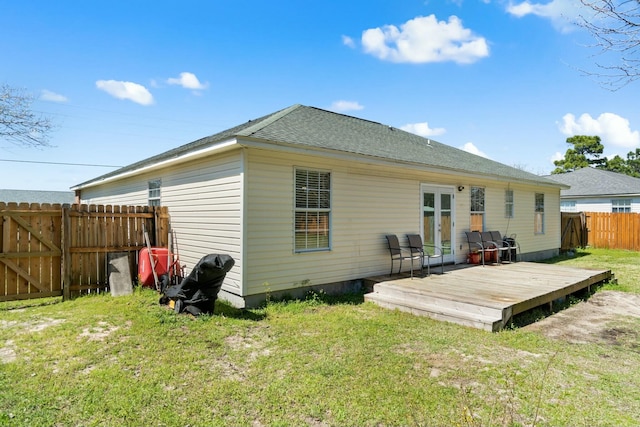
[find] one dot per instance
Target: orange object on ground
(474, 258)
(162, 260)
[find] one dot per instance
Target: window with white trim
(538, 221)
(312, 210)
(508, 203)
(568, 206)
(477, 208)
(621, 205)
(154, 192)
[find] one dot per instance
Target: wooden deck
(482, 297)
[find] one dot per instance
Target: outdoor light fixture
(460, 187)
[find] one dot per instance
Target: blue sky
(124, 80)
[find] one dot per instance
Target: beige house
(304, 197)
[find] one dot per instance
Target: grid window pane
(538, 219)
(508, 204)
(477, 209)
(621, 205)
(477, 199)
(154, 192)
(568, 206)
(313, 208)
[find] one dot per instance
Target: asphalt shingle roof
(597, 182)
(314, 128)
(36, 196)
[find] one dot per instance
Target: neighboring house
(36, 196)
(304, 197)
(597, 190)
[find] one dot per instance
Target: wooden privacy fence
(614, 230)
(52, 250)
(574, 230)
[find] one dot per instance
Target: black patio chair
(417, 248)
(474, 241)
(399, 254)
(504, 250)
(490, 247)
(508, 245)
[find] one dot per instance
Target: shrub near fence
(50, 250)
(614, 230)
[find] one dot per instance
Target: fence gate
(30, 253)
(51, 249)
(574, 230)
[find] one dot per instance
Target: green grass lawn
(100, 360)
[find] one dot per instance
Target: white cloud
(562, 13)
(188, 81)
(126, 90)
(348, 41)
(423, 129)
(341, 106)
(556, 156)
(47, 95)
(425, 39)
(611, 128)
(470, 148)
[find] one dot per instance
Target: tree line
(587, 152)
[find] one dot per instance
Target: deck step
(439, 310)
(412, 294)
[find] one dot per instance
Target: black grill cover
(197, 293)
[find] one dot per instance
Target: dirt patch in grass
(8, 349)
(99, 332)
(608, 317)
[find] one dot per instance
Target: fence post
(66, 255)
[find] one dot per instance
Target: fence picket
(614, 230)
(49, 250)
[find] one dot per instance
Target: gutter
(177, 159)
(254, 142)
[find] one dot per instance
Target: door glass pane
(445, 223)
(429, 208)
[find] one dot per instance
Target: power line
(58, 163)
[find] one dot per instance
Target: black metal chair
(490, 247)
(398, 254)
(474, 241)
(508, 245)
(417, 248)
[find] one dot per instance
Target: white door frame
(438, 190)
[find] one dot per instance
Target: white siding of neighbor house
(603, 204)
(204, 198)
(368, 201)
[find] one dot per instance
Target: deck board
(510, 288)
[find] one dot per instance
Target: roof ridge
(270, 119)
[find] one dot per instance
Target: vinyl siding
(363, 208)
(205, 203)
(241, 203)
(603, 204)
(521, 224)
(368, 202)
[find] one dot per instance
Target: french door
(437, 220)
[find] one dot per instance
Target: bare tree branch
(18, 123)
(615, 25)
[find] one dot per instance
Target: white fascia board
(343, 155)
(177, 159)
